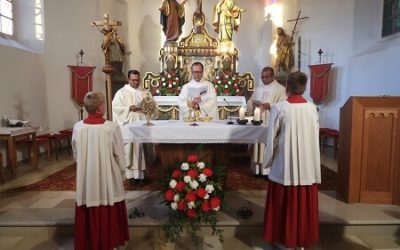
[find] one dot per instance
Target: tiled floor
(44, 220)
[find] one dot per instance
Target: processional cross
(108, 28)
(299, 53)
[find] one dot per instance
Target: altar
(177, 137)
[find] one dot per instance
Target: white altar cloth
(173, 131)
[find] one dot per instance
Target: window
(6, 17)
(391, 17)
(38, 20)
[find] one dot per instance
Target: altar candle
(256, 115)
(241, 113)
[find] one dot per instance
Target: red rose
(226, 91)
(181, 205)
(192, 158)
(191, 196)
(180, 186)
(176, 174)
(215, 202)
(201, 192)
(192, 173)
(205, 207)
(169, 195)
(191, 213)
(207, 172)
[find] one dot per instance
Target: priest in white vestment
(126, 108)
(292, 151)
(200, 93)
(264, 97)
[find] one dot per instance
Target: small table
(10, 135)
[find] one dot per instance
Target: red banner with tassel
(319, 82)
(81, 82)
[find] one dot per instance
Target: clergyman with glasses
(200, 93)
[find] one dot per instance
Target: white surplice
(100, 162)
(208, 105)
(271, 93)
(134, 152)
(293, 144)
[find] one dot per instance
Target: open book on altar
(197, 90)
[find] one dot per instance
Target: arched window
(391, 17)
(6, 17)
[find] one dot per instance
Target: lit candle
(241, 113)
(256, 115)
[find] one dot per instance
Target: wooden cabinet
(369, 149)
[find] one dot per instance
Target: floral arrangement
(194, 194)
(169, 83)
(227, 83)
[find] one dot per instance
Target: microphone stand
(230, 122)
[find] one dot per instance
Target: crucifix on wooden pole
(109, 29)
(299, 53)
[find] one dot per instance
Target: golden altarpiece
(219, 63)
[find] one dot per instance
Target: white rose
(164, 84)
(170, 85)
(201, 165)
(216, 209)
(206, 197)
(163, 79)
(219, 82)
(234, 78)
(226, 86)
(174, 83)
(176, 197)
(226, 76)
(209, 188)
(237, 91)
(185, 166)
(158, 91)
(172, 184)
(194, 184)
(217, 77)
(229, 82)
(191, 204)
(169, 76)
(187, 179)
(174, 205)
(202, 177)
(176, 78)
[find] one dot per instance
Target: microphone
(230, 122)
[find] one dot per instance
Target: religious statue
(186, 72)
(209, 69)
(226, 19)
(284, 53)
(172, 18)
(112, 46)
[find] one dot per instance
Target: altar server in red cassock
(101, 220)
(292, 150)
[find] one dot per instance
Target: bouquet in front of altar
(169, 83)
(227, 83)
(194, 193)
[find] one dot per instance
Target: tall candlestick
(241, 113)
(256, 114)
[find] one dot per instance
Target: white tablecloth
(222, 101)
(173, 131)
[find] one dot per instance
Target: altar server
(264, 97)
(126, 108)
(292, 149)
(200, 93)
(101, 220)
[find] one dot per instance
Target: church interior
(43, 39)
